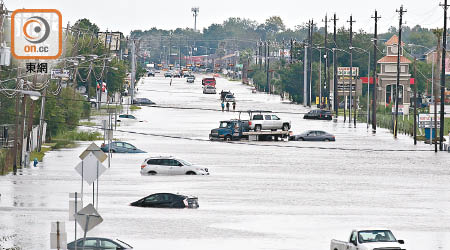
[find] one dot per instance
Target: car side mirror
(401, 242)
(180, 165)
(354, 243)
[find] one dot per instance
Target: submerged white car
(170, 166)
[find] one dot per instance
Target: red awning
(364, 80)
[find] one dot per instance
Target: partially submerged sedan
(167, 200)
(313, 135)
(121, 147)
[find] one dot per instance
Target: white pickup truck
(380, 239)
(268, 121)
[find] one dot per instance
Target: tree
(274, 24)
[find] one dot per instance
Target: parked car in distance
(171, 166)
(143, 101)
(125, 116)
(313, 135)
(167, 200)
(167, 74)
(380, 239)
(98, 243)
(229, 98)
(209, 89)
(262, 121)
(150, 73)
(319, 114)
(190, 79)
(121, 147)
(176, 74)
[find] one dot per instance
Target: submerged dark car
(121, 147)
(319, 114)
(97, 243)
(313, 135)
(167, 200)
(143, 101)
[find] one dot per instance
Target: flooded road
(260, 195)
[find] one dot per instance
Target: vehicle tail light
(250, 123)
(143, 166)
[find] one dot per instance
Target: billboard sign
(286, 53)
(59, 74)
(111, 40)
(345, 71)
(427, 121)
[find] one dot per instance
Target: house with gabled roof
(387, 78)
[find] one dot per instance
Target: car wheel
(152, 173)
(285, 127)
(228, 138)
(300, 139)
(113, 150)
(258, 128)
(326, 139)
(190, 173)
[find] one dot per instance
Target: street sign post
(90, 168)
(58, 236)
(88, 218)
(96, 150)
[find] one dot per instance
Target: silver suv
(268, 122)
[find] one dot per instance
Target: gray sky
(126, 15)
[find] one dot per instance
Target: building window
(390, 68)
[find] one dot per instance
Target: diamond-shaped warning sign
(88, 218)
(101, 156)
(90, 168)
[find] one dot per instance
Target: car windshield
(185, 163)
(376, 236)
(224, 124)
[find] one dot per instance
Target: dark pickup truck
(230, 130)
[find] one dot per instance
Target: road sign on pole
(58, 236)
(96, 150)
(88, 218)
(90, 168)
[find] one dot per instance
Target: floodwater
(260, 195)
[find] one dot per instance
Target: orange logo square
(36, 34)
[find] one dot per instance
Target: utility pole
(305, 75)
(41, 118)
(444, 48)
(16, 132)
(291, 51)
(375, 83)
(352, 103)
(195, 11)
(268, 67)
(133, 69)
(265, 56)
(325, 86)
(415, 102)
(310, 61)
(22, 127)
(335, 91)
(399, 48)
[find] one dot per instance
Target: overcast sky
(127, 15)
